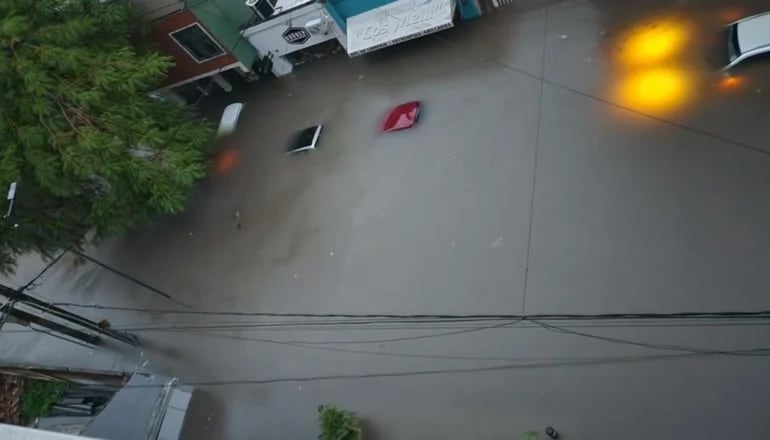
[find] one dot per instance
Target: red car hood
(401, 117)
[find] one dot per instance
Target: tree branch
(64, 113)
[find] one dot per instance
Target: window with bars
(197, 43)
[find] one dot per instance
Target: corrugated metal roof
(138, 411)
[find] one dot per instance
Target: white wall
(10, 432)
(267, 37)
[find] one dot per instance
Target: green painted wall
(224, 19)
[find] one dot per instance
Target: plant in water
(338, 424)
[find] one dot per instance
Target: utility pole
(84, 329)
(24, 318)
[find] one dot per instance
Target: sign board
(396, 22)
(296, 35)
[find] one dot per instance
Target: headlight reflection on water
(653, 43)
(655, 89)
(651, 78)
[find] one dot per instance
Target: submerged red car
(402, 117)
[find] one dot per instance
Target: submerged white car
(305, 140)
(747, 38)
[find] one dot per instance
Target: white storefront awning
(396, 22)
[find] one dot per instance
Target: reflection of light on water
(225, 160)
(728, 83)
(655, 90)
(649, 44)
(652, 77)
(730, 15)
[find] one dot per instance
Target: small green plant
(338, 424)
(37, 398)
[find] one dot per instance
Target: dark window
(197, 43)
(303, 139)
(265, 9)
(733, 48)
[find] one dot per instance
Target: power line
(128, 277)
(552, 316)
(550, 363)
(370, 352)
(522, 366)
(530, 318)
(406, 338)
(415, 325)
(559, 330)
(353, 351)
(689, 352)
(315, 345)
(412, 338)
(669, 347)
(45, 269)
(322, 326)
(384, 325)
(399, 325)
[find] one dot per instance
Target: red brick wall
(184, 65)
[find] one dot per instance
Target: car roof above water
(754, 32)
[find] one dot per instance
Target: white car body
(229, 119)
(747, 38)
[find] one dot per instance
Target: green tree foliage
(90, 150)
(338, 424)
(37, 398)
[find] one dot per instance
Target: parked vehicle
(402, 117)
(305, 140)
(747, 38)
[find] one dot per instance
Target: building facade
(204, 44)
(358, 26)
(214, 40)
